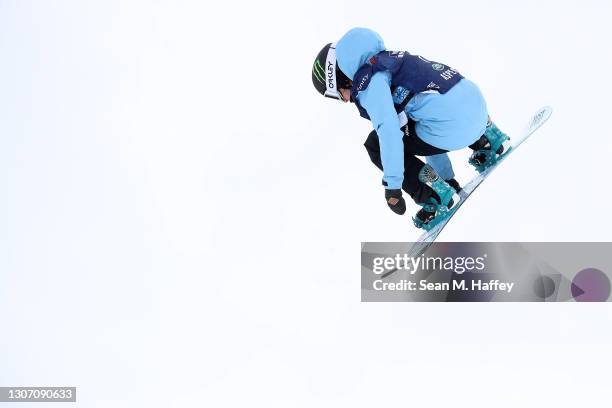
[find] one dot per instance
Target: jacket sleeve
(378, 102)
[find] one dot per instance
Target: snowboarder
(417, 108)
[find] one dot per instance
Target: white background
(181, 213)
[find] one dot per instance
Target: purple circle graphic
(591, 285)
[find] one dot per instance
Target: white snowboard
(425, 240)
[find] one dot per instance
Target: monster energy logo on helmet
(326, 77)
(318, 73)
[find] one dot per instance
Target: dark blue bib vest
(410, 74)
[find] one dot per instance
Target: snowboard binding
(435, 209)
(491, 146)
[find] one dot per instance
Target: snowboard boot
(489, 148)
(438, 205)
(454, 184)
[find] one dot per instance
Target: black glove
(395, 201)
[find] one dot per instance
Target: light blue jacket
(448, 121)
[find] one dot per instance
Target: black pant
(413, 146)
